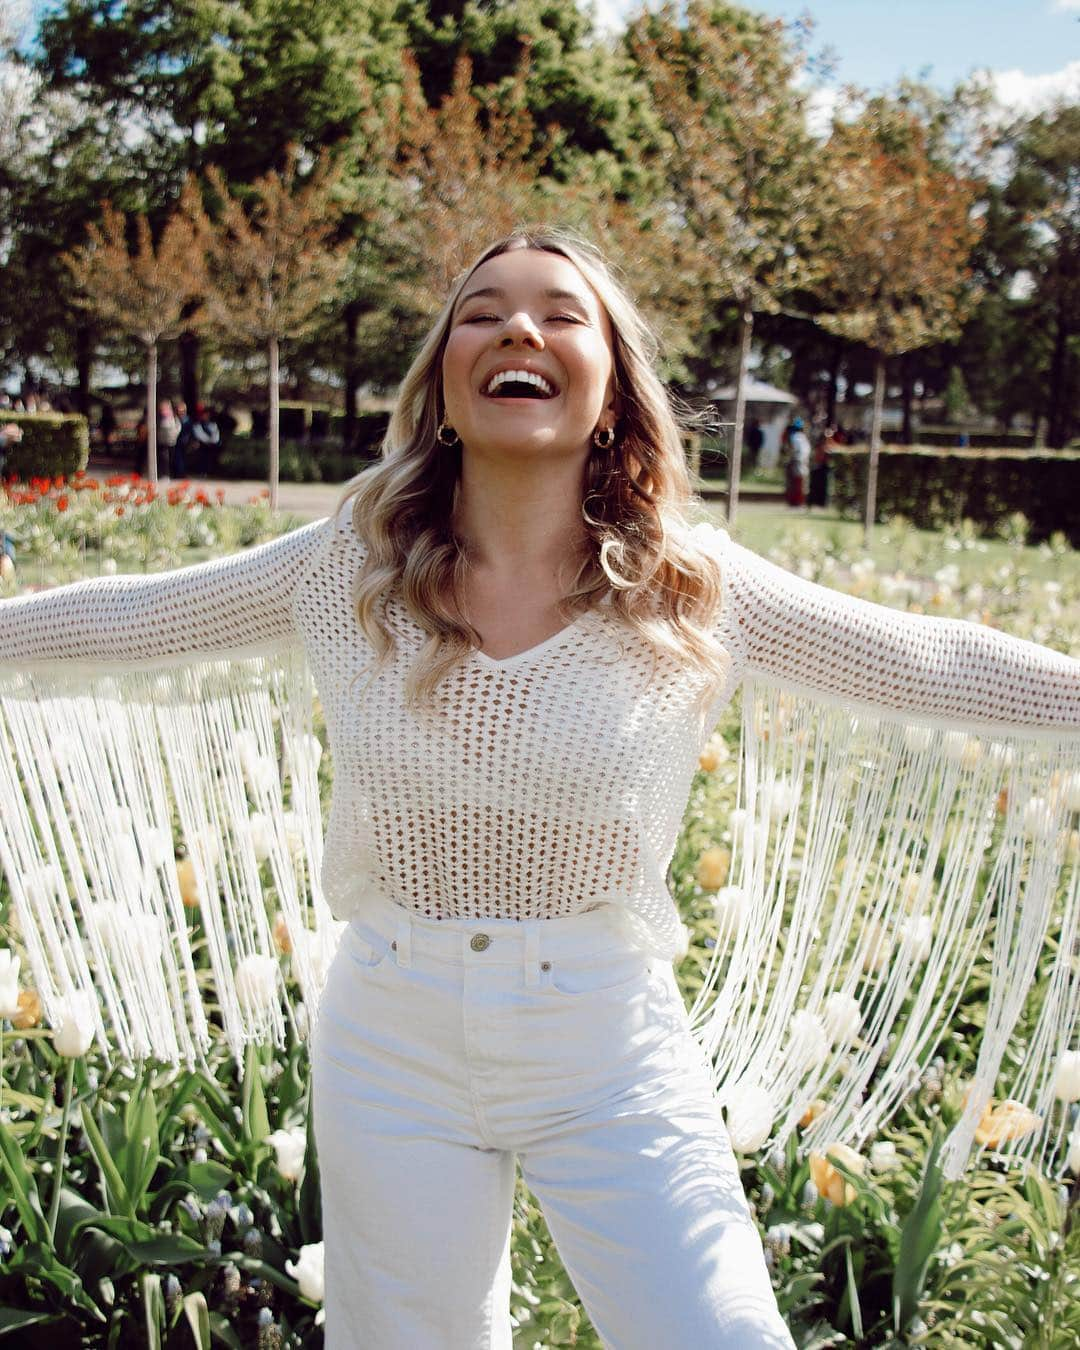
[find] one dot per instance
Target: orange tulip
(712, 868)
(831, 1184)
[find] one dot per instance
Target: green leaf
(310, 1199)
(153, 1309)
(853, 1296)
(147, 1244)
(256, 1119)
(198, 1316)
(223, 1332)
(919, 1238)
(116, 1192)
(140, 1141)
(15, 1319)
(24, 1190)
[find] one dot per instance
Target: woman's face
(532, 314)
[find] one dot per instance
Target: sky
(1031, 47)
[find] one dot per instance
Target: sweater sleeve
(808, 636)
(241, 605)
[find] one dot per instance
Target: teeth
(521, 376)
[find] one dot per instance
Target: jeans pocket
(368, 953)
(612, 973)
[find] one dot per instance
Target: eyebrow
(497, 293)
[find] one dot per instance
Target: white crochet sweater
(560, 778)
(557, 779)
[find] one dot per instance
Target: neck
(519, 518)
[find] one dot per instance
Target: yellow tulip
(29, 1014)
(712, 868)
(830, 1184)
(1004, 1121)
(816, 1108)
(188, 883)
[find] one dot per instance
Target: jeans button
(480, 943)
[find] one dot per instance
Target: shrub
(936, 488)
(53, 445)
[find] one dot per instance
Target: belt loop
(532, 955)
(404, 942)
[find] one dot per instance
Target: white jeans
(446, 1047)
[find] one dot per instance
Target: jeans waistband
(591, 934)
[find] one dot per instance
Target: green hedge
(936, 488)
(247, 457)
(52, 444)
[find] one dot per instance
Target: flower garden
(159, 1207)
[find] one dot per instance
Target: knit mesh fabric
(554, 780)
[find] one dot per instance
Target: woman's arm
(818, 639)
(239, 604)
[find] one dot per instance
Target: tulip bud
(74, 1031)
(830, 1183)
(9, 981)
(1067, 1078)
(307, 1271)
(750, 1113)
(712, 868)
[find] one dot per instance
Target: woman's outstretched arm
(814, 638)
(240, 604)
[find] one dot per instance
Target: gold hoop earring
(446, 435)
(603, 438)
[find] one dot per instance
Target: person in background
(820, 468)
(168, 429)
(206, 440)
(753, 441)
(797, 462)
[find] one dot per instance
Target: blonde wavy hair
(634, 499)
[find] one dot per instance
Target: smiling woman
(521, 647)
(533, 470)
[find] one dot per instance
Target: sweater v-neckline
(537, 649)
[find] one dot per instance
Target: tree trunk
(834, 380)
(189, 370)
(84, 361)
(746, 330)
(906, 434)
(875, 446)
(151, 412)
(272, 427)
(1057, 412)
(352, 380)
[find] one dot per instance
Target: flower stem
(58, 1170)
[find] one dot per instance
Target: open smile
(518, 384)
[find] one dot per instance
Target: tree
(896, 267)
(273, 261)
(739, 163)
(1047, 178)
(143, 293)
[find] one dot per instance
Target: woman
(520, 650)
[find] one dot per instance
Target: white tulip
(261, 833)
(730, 905)
(256, 983)
(246, 745)
(263, 774)
(1072, 1158)
(1067, 1078)
(288, 1146)
(74, 1025)
(9, 983)
(1038, 818)
(750, 1114)
(306, 752)
(782, 798)
(293, 837)
(307, 1271)
(807, 1043)
(843, 1018)
(883, 1156)
(917, 936)
(158, 846)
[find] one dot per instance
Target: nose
(520, 328)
